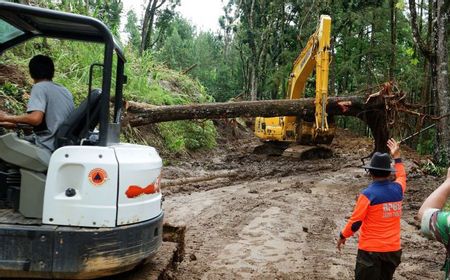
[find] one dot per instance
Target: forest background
(250, 58)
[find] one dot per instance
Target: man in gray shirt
(49, 105)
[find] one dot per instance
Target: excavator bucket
(308, 135)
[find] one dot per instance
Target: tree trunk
(253, 82)
(147, 23)
(347, 106)
(425, 50)
(442, 84)
(253, 61)
(393, 39)
(373, 113)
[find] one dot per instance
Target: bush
(188, 135)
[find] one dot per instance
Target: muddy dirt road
(249, 216)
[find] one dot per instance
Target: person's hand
(394, 148)
(340, 243)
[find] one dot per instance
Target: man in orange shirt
(377, 214)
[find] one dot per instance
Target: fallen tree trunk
(348, 106)
(371, 111)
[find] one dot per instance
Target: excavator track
(271, 148)
(302, 152)
(308, 152)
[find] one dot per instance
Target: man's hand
(394, 148)
(340, 242)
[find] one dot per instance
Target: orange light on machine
(150, 189)
(134, 191)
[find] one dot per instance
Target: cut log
(372, 111)
(346, 106)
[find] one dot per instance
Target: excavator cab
(93, 207)
(305, 130)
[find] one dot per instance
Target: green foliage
(72, 60)
(353, 124)
(11, 90)
(426, 145)
(433, 169)
(185, 135)
(176, 49)
(157, 17)
(107, 11)
(12, 96)
(155, 84)
(216, 68)
(131, 27)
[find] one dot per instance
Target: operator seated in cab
(49, 105)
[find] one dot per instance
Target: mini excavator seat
(22, 153)
(77, 128)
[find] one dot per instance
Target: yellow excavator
(284, 130)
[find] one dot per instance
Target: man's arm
(7, 125)
(34, 118)
(437, 199)
(355, 221)
(400, 173)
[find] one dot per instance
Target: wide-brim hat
(380, 161)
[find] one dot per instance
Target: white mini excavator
(92, 207)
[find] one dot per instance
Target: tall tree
(442, 84)
(260, 22)
(424, 46)
(176, 49)
(393, 9)
(154, 8)
(107, 11)
(132, 28)
(436, 54)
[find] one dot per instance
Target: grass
(147, 82)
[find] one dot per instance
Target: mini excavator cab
(299, 129)
(93, 207)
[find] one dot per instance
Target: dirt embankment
(258, 217)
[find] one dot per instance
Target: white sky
(202, 13)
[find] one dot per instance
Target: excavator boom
(315, 56)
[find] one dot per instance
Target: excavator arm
(315, 56)
(316, 53)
